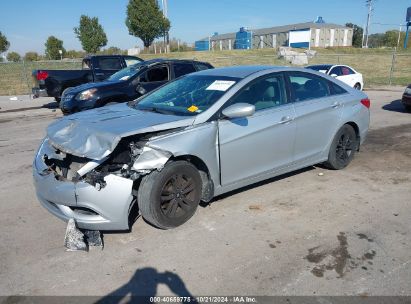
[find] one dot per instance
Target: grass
(374, 64)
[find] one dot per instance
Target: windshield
(319, 68)
(125, 73)
(189, 95)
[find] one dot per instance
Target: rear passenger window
(109, 63)
(306, 86)
(181, 69)
(336, 89)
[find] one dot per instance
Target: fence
(16, 77)
(378, 69)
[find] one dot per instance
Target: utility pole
(369, 4)
(166, 34)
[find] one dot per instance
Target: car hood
(91, 85)
(94, 134)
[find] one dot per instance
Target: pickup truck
(128, 84)
(52, 83)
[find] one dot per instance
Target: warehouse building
(301, 35)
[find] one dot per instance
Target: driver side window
(263, 93)
(155, 74)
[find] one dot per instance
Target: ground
(336, 233)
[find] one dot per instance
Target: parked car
(127, 84)
(406, 98)
(51, 83)
(202, 135)
(343, 73)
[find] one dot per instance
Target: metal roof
(238, 71)
(279, 29)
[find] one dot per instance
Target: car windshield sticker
(125, 77)
(193, 108)
(220, 85)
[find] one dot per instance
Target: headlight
(408, 91)
(87, 94)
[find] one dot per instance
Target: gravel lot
(343, 233)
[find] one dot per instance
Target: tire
(407, 108)
(357, 86)
(343, 148)
(170, 197)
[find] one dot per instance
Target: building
(306, 35)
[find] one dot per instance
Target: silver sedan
(195, 138)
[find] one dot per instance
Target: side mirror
(140, 89)
(334, 75)
(239, 110)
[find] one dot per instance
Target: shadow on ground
(143, 285)
(395, 106)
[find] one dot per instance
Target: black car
(93, 69)
(128, 84)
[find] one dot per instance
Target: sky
(27, 24)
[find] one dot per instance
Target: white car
(343, 73)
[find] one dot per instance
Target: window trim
(291, 73)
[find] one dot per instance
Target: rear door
(317, 114)
(263, 142)
(155, 76)
(105, 66)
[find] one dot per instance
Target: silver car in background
(195, 138)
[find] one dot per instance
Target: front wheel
(169, 198)
(342, 149)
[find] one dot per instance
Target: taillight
(366, 102)
(42, 75)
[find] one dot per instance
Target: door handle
(286, 119)
(336, 105)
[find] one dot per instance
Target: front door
(155, 77)
(263, 142)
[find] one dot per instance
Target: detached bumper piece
(77, 240)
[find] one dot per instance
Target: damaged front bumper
(93, 207)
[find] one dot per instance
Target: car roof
(241, 71)
(167, 60)
(327, 66)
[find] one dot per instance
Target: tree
(4, 44)
(75, 54)
(376, 40)
(146, 21)
(91, 34)
(357, 34)
(13, 56)
(53, 45)
(31, 56)
(113, 50)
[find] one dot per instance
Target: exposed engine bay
(131, 159)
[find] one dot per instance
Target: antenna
(369, 4)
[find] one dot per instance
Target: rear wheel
(357, 86)
(342, 149)
(168, 198)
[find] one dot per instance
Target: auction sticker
(220, 85)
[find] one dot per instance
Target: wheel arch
(207, 192)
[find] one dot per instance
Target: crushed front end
(98, 194)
